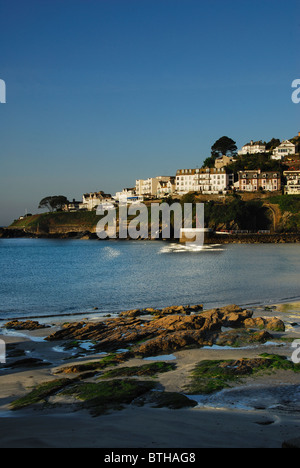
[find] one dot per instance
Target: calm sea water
(42, 277)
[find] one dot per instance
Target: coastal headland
(233, 219)
(181, 376)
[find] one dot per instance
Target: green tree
(224, 146)
(46, 203)
(236, 214)
(209, 162)
(251, 162)
(52, 203)
(273, 143)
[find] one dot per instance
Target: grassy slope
(79, 220)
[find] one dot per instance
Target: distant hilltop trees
(53, 203)
(223, 146)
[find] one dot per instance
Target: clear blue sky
(103, 92)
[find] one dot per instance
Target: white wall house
(292, 186)
(127, 196)
(285, 148)
(252, 148)
(206, 181)
(148, 187)
(91, 200)
(165, 188)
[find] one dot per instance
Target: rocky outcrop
(26, 325)
(273, 324)
(188, 309)
(10, 233)
(165, 333)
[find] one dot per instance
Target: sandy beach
(259, 411)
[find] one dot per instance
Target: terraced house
(206, 181)
(252, 181)
(150, 187)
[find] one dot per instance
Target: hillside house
(165, 188)
(149, 187)
(127, 196)
(253, 147)
(285, 149)
(252, 181)
(223, 161)
(73, 206)
(91, 200)
(206, 181)
(292, 186)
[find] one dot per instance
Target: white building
(91, 200)
(286, 148)
(165, 188)
(252, 148)
(128, 195)
(206, 181)
(149, 187)
(292, 186)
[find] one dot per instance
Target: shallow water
(254, 397)
(41, 277)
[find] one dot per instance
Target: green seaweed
(40, 393)
(146, 370)
(112, 359)
(113, 394)
(213, 375)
